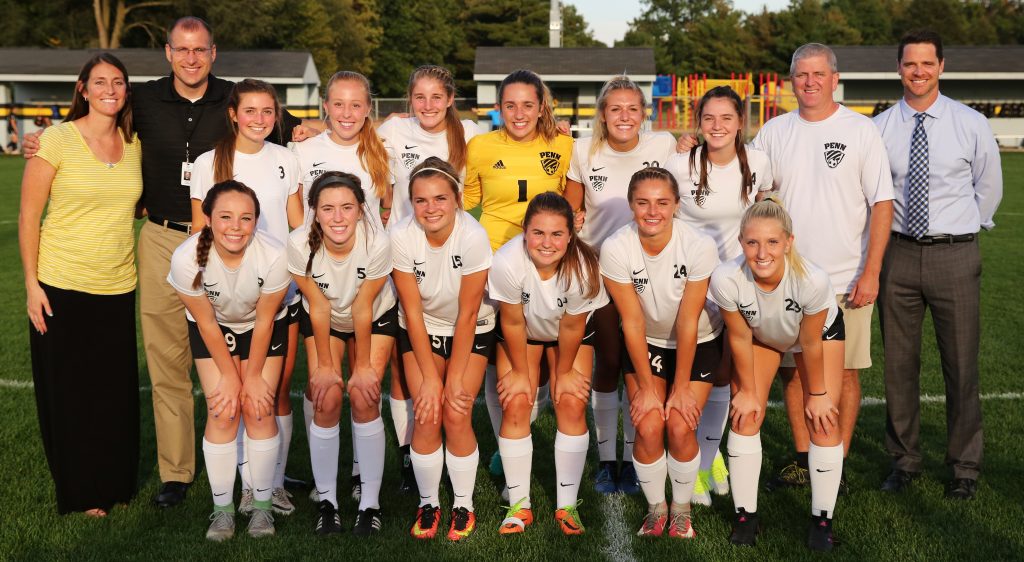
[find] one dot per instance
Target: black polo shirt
(170, 126)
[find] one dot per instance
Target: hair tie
(421, 170)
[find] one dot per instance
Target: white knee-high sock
(683, 475)
(307, 414)
(324, 445)
(628, 431)
(284, 429)
(462, 472)
(540, 401)
(517, 460)
(712, 425)
(370, 441)
(826, 467)
(491, 397)
(652, 479)
(744, 469)
(570, 456)
(401, 416)
(606, 423)
(262, 462)
(220, 461)
(427, 468)
(355, 453)
(243, 457)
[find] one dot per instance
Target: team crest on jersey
(640, 284)
(834, 153)
(526, 298)
(597, 182)
(419, 273)
(549, 162)
(410, 159)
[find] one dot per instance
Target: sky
(610, 18)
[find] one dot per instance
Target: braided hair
(329, 180)
(206, 235)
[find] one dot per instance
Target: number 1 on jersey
(522, 191)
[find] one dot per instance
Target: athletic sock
(324, 444)
(355, 453)
(369, 440)
(284, 429)
(826, 466)
(491, 397)
(652, 479)
(262, 461)
(744, 469)
(428, 468)
(712, 425)
(307, 414)
(220, 470)
(628, 431)
(570, 456)
(606, 423)
(462, 473)
(517, 460)
(683, 475)
(243, 457)
(542, 399)
(401, 416)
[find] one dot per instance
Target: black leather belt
(179, 226)
(938, 239)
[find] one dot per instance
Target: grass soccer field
(918, 525)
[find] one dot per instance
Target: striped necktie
(917, 181)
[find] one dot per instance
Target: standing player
(232, 281)
(441, 260)
(272, 172)
(596, 187)
(774, 302)
(341, 262)
(548, 283)
(657, 271)
(433, 130)
(719, 179)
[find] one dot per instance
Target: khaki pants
(165, 337)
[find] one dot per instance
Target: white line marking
(4, 383)
(617, 535)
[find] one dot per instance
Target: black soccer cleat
(327, 522)
(744, 529)
(819, 536)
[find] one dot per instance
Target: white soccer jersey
(722, 208)
(439, 271)
(513, 279)
(605, 179)
(774, 317)
(410, 146)
(660, 280)
(321, 154)
(829, 173)
(273, 173)
(340, 280)
(232, 292)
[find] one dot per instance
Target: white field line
(616, 533)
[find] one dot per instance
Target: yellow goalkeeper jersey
(503, 175)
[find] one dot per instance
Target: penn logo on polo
(549, 162)
(410, 159)
(640, 283)
(834, 153)
(597, 182)
(526, 298)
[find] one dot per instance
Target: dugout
(37, 82)
(574, 75)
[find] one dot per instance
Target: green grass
(919, 525)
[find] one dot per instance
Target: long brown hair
(206, 235)
(80, 106)
(224, 152)
(747, 180)
(601, 126)
(373, 157)
(329, 180)
(546, 125)
(455, 133)
(580, 261)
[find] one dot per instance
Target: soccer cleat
(281, 502)
(719, 475)
(604, 480)
(408, 482)
(495, 467)
(425, 527)
(463, 524)
(516, 519)
(791, 476)
(245, 504)
(368, 522)
(222, 526)
(569, 520)
(357, 488)
(744, 529)
(261, 524)
(680, 526)
(654, 522)
(702, 488)
(819, 536)
(628, 482)
(327, 522)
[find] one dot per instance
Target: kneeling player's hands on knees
(365, 384)
(746, 408)
(258, 394)
(685, 404)
(457, 398)
(224, 398)
(427, 406)
(644, 402)
(512, 384)
(321, 381)
(822, 413)
(574, 384)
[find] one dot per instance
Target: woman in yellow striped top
(80, 281)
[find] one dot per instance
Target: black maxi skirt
(86, 375)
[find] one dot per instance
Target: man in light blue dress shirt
(946, 171)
